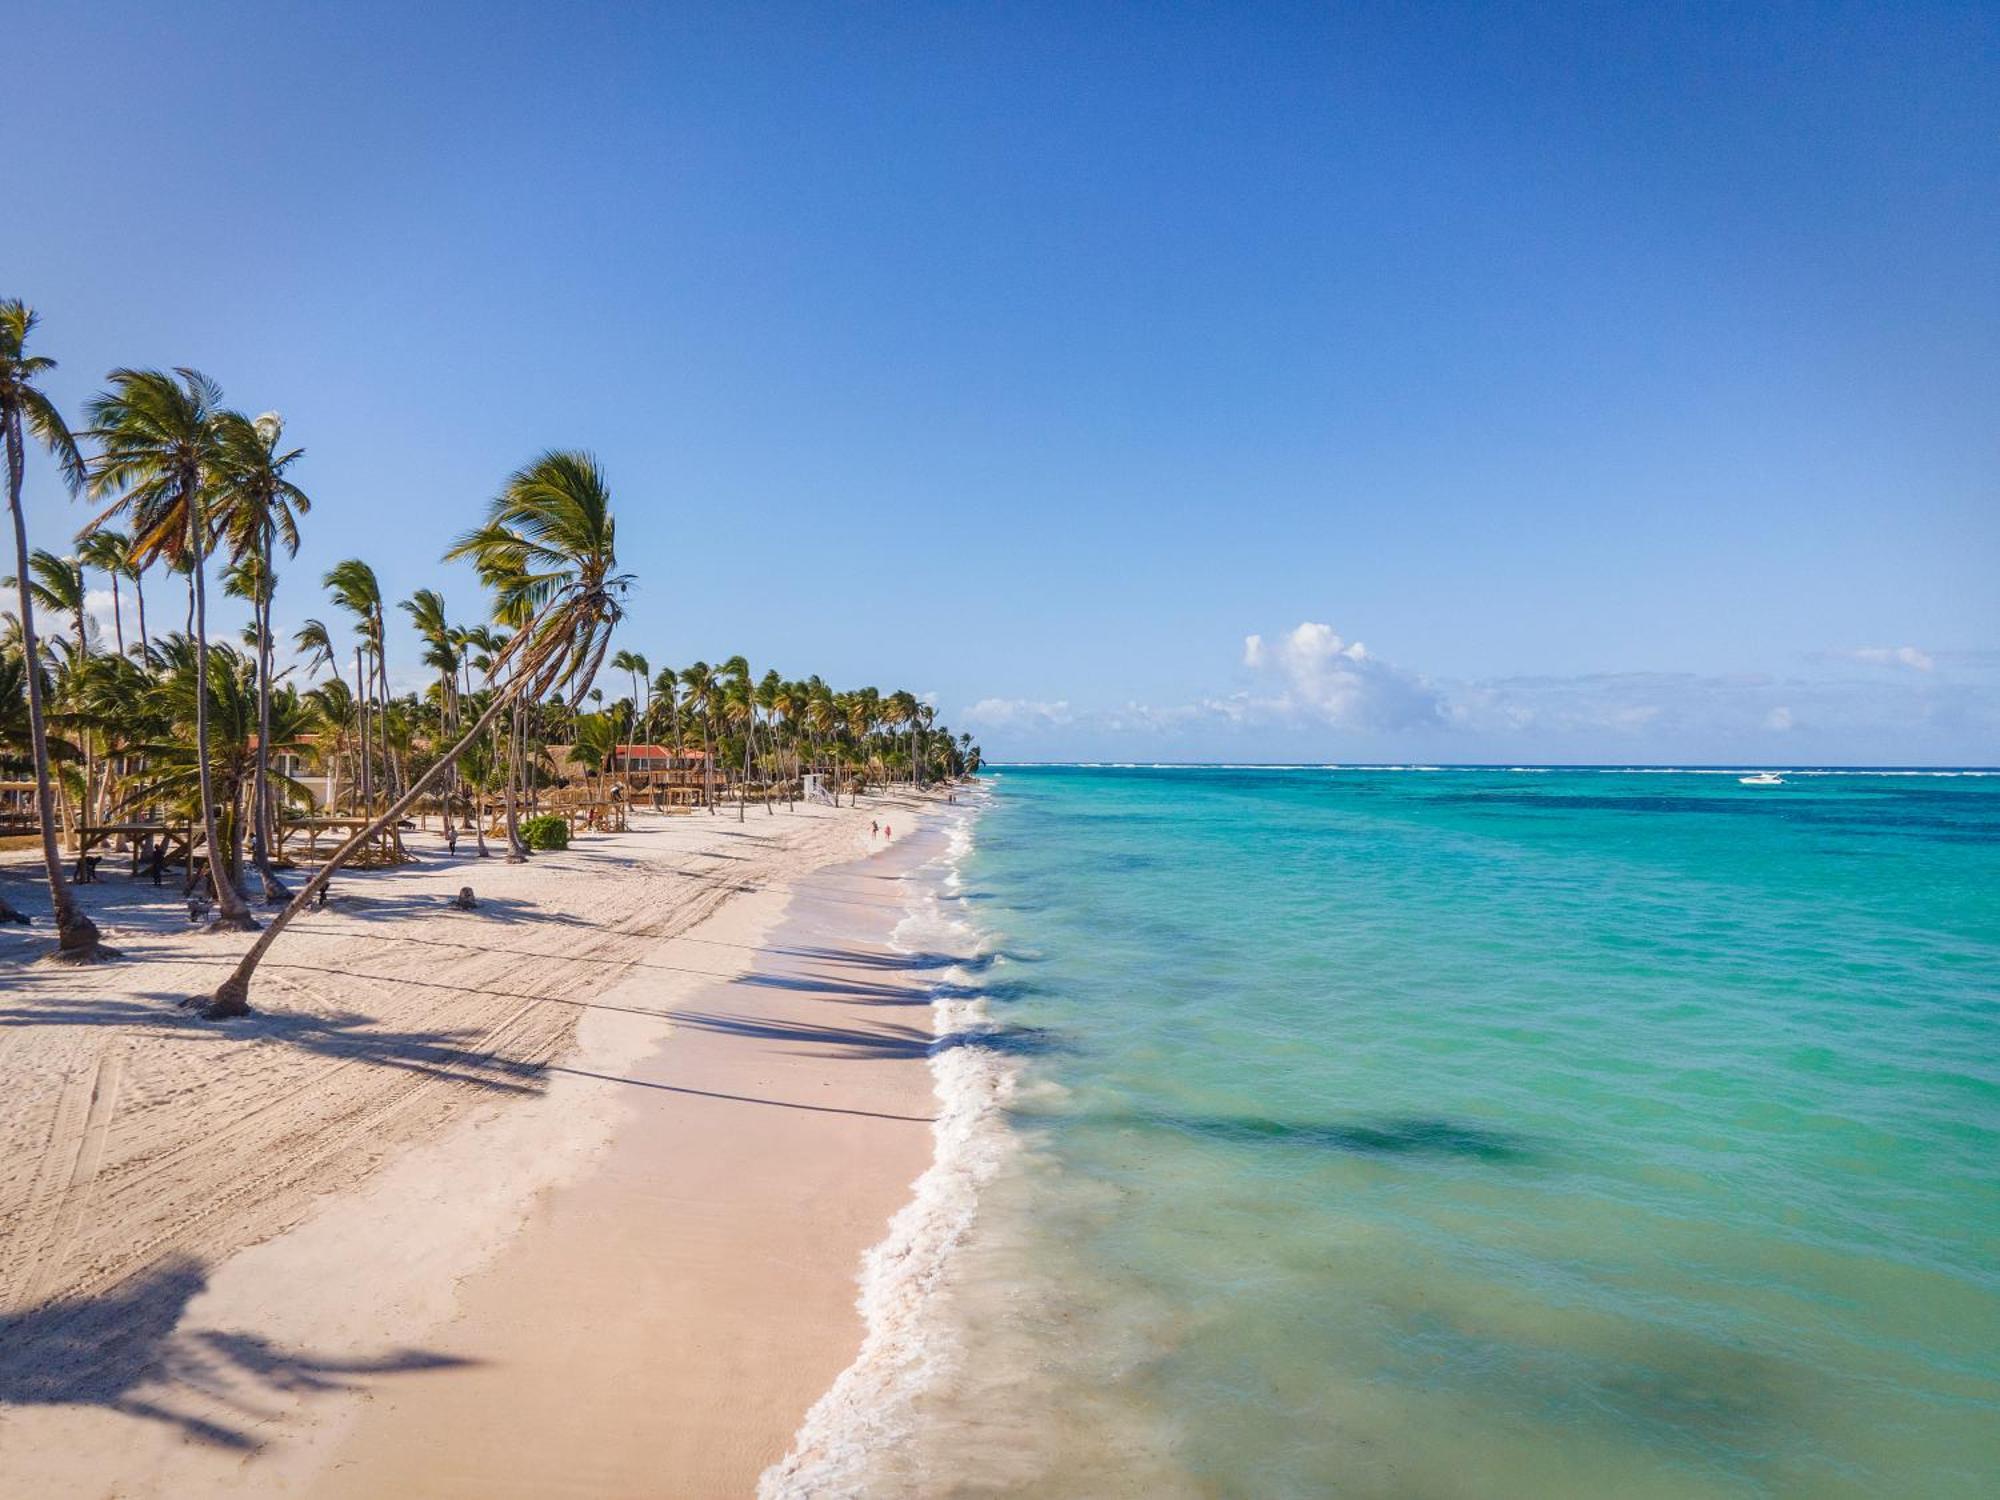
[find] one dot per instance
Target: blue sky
(1624, 379)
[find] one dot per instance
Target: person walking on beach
(874, 829)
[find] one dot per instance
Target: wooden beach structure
(386, 848)
(650, 775)
(18, 814)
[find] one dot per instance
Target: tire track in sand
(84, 1115)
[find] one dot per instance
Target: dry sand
(454, 1214)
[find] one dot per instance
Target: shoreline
(662, 1322)
(907, 1346)
(288, 1363)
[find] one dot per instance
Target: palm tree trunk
(235, 916)
(139, 593)
(117, 614)
(236, 833)
(708, 760)
(673, 750)
(517, 852)
(86, 804)
(361, 777)
(263, 819)
(76, 935)
(392, 763)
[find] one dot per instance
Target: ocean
(1448, 1133)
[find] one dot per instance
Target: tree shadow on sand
(124, 1351)
(976, 963)
(501, 910)
(452, 1056)
(882, 1041)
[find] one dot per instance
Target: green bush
(547, 831)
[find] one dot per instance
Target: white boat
(1763, 778)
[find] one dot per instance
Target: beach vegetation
(545, 831)
(144, 738)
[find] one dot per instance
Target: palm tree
(56, 586)
(110, 553)
(703, 689)
(355, 588)
(236, 721)
(902, 710)
(258, 507)
(160, 440)
(442, 649)
(25, 410)
(594, 744)
(860, 724)
(549, 544)
(315, 642)
(634, 663)
(821, 714)
(739, 706)
(783, 702)
(479, 768)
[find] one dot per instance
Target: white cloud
(1894, 656)
(1309, 684)
(1336, 681)
(98, 604)
(1633, 716)
(1018, 713)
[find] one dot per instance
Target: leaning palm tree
(159, 438)
(548, 545)
(315, 642)
(56, 587)
(258, 508)
(26, 411)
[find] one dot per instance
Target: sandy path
(139, 1150)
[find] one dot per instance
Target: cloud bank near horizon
(1311, 692)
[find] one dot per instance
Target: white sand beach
(568, 1193)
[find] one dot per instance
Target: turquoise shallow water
(1481, 1133)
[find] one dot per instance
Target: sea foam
(907, 1348)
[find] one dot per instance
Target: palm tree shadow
(453, 1056)
(499, 909)
(124, 1351)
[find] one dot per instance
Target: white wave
(905, 1350)
(1209, 765)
